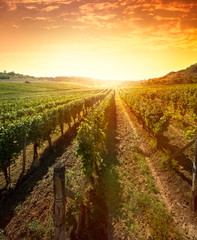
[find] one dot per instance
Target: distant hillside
(84, 81)
(188, 75)
(74, 80)
(12, 75)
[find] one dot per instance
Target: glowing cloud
(132, 39)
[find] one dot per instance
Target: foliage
(91, 137)
(155, 106)
(37, 123)
(35, 230)
(8, 75)
(148, 111)
(1, 234)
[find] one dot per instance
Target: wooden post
(36, 161)
(59, 201)
(194, 180)
(181, 150)
(24, 154)
(62, 128)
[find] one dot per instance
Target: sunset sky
(122, 39)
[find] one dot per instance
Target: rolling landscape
(98, 120)
(115, 141)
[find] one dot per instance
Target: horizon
(86, 77)
(106, 40)
(92, 78)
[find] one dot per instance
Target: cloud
(79, 27)
(175, 7)
(11, 5)
(39, 19)
(50, 8)
(95, 20)
(94, 7)
(30, 7)
(32, 4)
(53, 27)
(67, 2)
(15, 26)
(161, 21)
(189, 23)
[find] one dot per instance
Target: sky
(117, 40)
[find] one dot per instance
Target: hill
(188, 75)
(82, 81)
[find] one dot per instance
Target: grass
(133, 203)
(18, 208)
(147, 203)
(132, 197)
(168, 165)
(149, 180)
(1, 234)
(20, 91)
(35, 230)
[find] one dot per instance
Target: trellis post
(59, 201)
(194, 179)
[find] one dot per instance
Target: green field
(21, 91)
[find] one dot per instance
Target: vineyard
(25, 123)
(115, 144)
(154, 108)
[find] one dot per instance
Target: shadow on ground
(182, 159)
(11, 199)
(105, 191)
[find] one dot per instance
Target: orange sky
(122, 39)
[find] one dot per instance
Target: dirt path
(134, 204)
(175, 193)
(122, 180)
